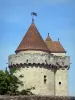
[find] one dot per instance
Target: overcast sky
(56, 17)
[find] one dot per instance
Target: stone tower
(43, 64)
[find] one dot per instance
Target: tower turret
(38, 66)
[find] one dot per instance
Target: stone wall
(61, 82)
(34, 65)
(34, 77)
(35, 98)
(29, 57)
(37, 57)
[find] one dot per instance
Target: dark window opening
(45, 79)
(45, 76)
(59, 83)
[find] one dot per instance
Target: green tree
(9, 83)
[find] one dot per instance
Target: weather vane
(33, 14)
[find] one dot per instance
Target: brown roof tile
(54, 46)
(32, 41)
(58, 47)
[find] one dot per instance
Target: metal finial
(48, 34)
(58, 39)
(33, 14)
(32, 20)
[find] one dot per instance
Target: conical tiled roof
(32, 41)
(54, 46)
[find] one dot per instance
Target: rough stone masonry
(35, 98)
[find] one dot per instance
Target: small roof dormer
(54, 46)
(48, 38)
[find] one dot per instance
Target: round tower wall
(30, 57)
(37, 69)
(35, 75)
(40, 78)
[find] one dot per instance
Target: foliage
(9, 83)
(27, 91)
